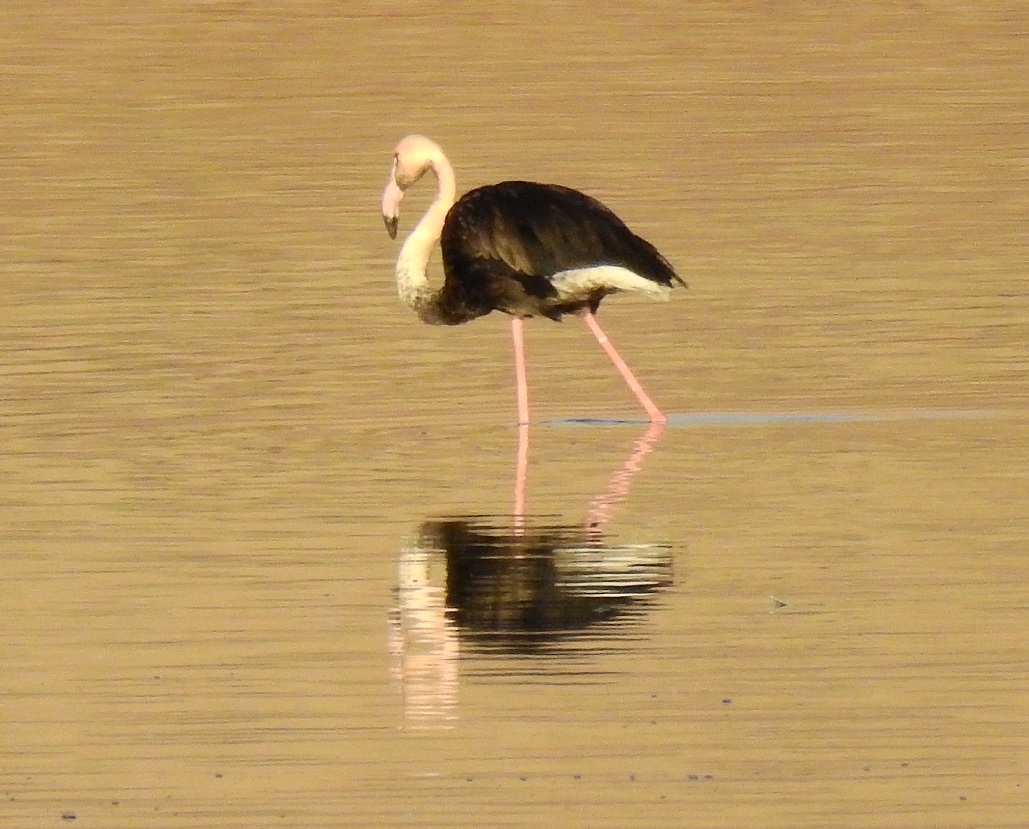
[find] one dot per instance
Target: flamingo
(520, 247)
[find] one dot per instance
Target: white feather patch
(574, 284)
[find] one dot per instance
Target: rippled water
(259, 559)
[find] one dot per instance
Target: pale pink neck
(412, 283)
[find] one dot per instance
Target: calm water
(258, 560)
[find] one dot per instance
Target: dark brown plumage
(503, 243)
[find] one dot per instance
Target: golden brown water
(223, 437)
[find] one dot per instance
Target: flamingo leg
(521, 385)
(522, 390)
(656, 415)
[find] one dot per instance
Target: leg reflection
(521, 474)
(602, 507)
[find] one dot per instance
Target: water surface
(229, 454)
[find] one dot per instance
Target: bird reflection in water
(528, 591)
(516, 587)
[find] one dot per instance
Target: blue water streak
(779, 418)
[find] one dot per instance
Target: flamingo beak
(391, 199)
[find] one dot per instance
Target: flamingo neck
(412, 283)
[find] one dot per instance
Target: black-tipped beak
(391, 225)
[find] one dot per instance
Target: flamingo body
(530, 249)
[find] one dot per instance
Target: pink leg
(521, 473)
(656, 415)
(521, 386)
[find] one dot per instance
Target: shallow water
(256, 536)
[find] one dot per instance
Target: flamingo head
(412, 157)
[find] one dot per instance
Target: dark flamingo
(522, 248)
